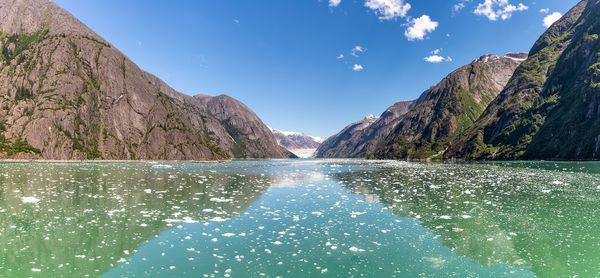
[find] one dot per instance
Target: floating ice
(29, 200)
(356, 249)
(161, 166)
(220, 200)
(218, 219)
(354, 214)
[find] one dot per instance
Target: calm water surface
(302, 218)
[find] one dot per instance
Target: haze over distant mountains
(67, 93)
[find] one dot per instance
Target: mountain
(300, 144)
(358, 140)
(550, 109)
(424, 127)
(66, 93)
(448, 108)
(250, 135)
(344, 143)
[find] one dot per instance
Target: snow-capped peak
(370, 117)
(294, 133)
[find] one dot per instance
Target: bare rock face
(550, 108)
(424, 127)
(251, 137)
(359, 142)
(448, 108)
(65, 93)
(345, 143)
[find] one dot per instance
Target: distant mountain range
(540, 105)
(68, 94)
(298, 143)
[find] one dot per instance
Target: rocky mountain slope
(345, 142)
(66, 93)
(361, 141)
(448, 108)
(550, 109)
(424, 127)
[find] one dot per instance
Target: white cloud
(437, 59)
(551, 18)
(358, 50)
(459, 6)
(544, 11)
(357, 67)
(494, 9)
(436, 52)
(341, 56)
(419, 27)
(388, 9)
(334, 3)
(236, 21)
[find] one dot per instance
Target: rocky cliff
(448, 108)
(345, 143)
(551, 107)
(362, 142)
(66, 93)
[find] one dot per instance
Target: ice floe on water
(161, 166)
(29, 200)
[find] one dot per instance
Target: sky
(314, 66)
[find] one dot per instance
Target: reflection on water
(331, 218)
(540, 214)
(90, 216)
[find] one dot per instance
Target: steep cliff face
(344, 143)
(251, 137)
(66, 93)
(361, 142)
(550, 109)
(448, 108)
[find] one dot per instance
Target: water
(302, 218)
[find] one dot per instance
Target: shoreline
(111, 161)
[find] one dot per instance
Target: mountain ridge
(546, 111)
(401, 130)
(68, 94)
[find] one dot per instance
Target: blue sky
(282, 58)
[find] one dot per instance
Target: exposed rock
(345, 143)
(448, 108)
(550, 109)
(65, 93)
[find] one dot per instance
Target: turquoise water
(300, 218)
